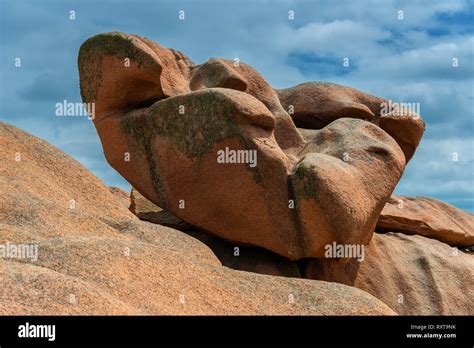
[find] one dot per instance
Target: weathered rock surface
(249, 259)
(314, 105)
(413, 275)
(307, 188)
(244, 258)
(122, 196)
(96, 257)
(149, 211)
(428, 217)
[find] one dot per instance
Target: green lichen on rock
(204, 122)
(207, 119)
(141, 140)
(304, 182)
(247, 144)
(194, 124)
(91, 52)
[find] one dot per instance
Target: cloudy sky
(403, 56)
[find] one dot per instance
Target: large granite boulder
(316, 104)
(212, 144)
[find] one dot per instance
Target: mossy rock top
(195, 122)
(113, 44)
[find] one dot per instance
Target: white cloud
(442, 168)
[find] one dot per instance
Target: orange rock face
(428, 217)
(148, 211)
(121, 195)
(316, 104)
(261, 184)
(240, 257)
(94, 257)
(413, 275)
(184, 136)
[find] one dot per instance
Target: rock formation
(413, 275)
(235, 256)
(314, 105)
(148, 211)
(121, 195)
(96, 257)
(258, 188)
(428, 217)
(171, 118)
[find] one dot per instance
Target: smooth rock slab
(428, 217)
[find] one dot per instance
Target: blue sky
(408, 60)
